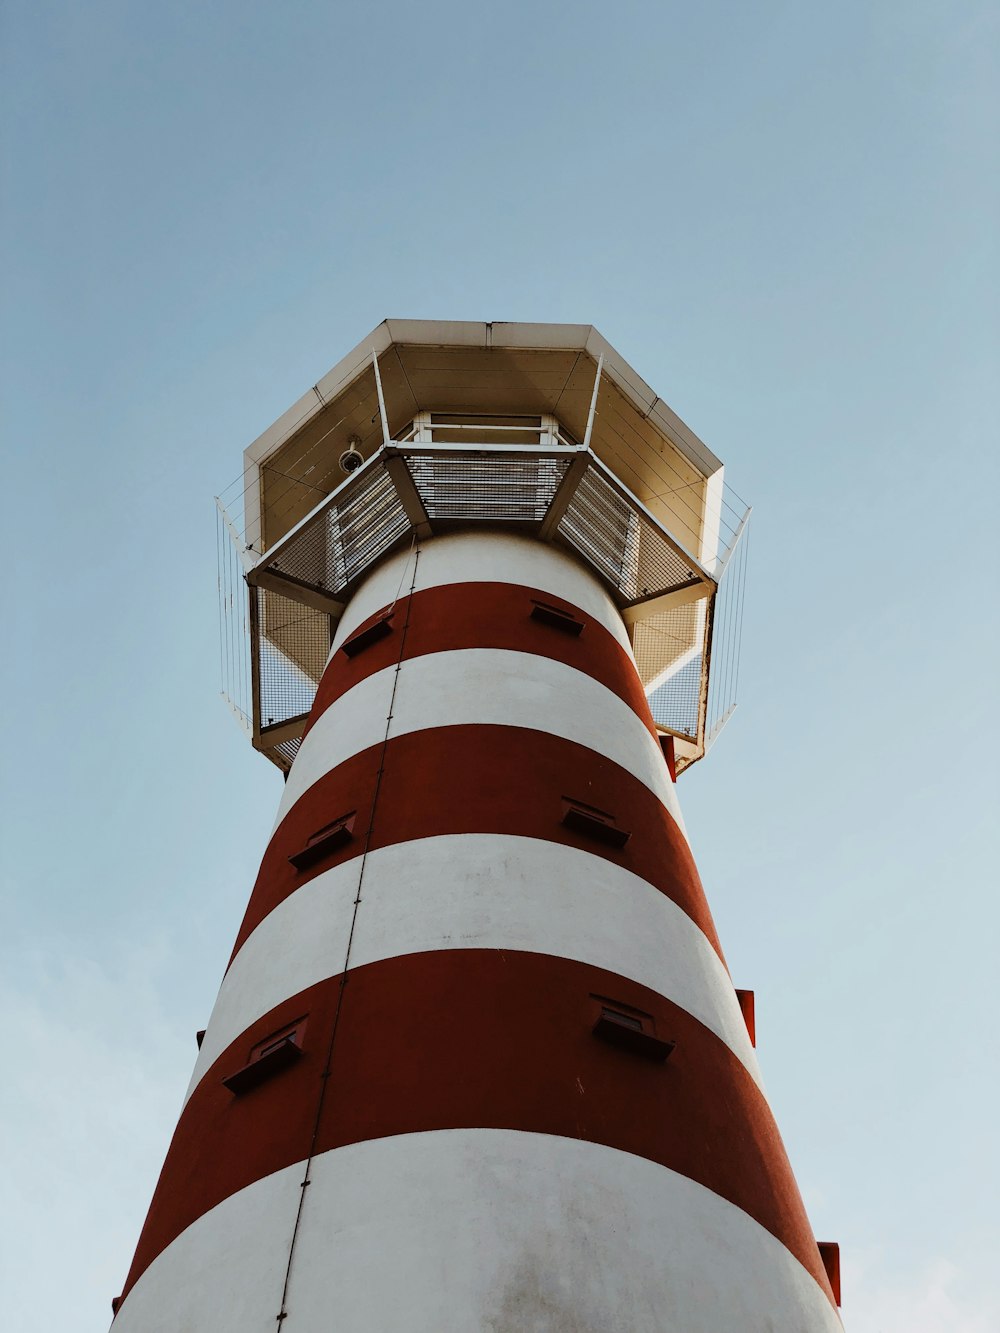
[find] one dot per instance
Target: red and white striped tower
(477, 1062)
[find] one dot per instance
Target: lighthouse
(476, 1061)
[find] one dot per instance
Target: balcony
(673, 564)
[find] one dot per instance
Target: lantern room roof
(471, 369)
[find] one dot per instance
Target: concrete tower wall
(419, 1128)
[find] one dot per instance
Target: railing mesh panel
(371, 519)
(502, 487)
(658, 565)
(621, 543)
(663, 642)
(676, 704)
(294, 645)
(285, 752)
(607, 528)
(345, 538)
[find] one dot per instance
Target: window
(556, 618)
(364, 638)
(629, 1029)
(324, 842)
(626, 1020)
(473, 429)
(268, 1057)
(593, 823)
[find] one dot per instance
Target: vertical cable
(739, 628)
(326, 1075)
(219, 599)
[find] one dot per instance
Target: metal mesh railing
(602, 527)
(669, 650)
(512, 487)
(235, 667)
(342, 539)
(727, 635)
(285, 753)
(693, 509)
(676, 704)
(371, 519)
(408, 489)
(615, 537)
(658, 565)
(294, 646)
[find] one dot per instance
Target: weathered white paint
(484, 557)
(477, 891)
(224, 1273)
(484, 686)
(462, 1231)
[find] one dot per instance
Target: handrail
(525, 428)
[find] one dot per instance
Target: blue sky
(785, 217)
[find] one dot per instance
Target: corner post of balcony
(577, 470)
(565, 491)
(409, 497)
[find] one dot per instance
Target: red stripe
(481, 779)
(483, 1039)
(485, 615)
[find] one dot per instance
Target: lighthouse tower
(477, 1062)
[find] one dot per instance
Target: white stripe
(484, 557)
(459, 1231)
(482, 686)
(477, 891)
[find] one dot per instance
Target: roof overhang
(477, 368)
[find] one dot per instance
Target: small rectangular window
(364, 638)
(268, 1057)
(272, 1045)
(593, 823)
(626, 1020)
(629, 1029)
(324, 842)
(556, 618)
(293, 1032)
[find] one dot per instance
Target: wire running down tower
(477, 1062)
